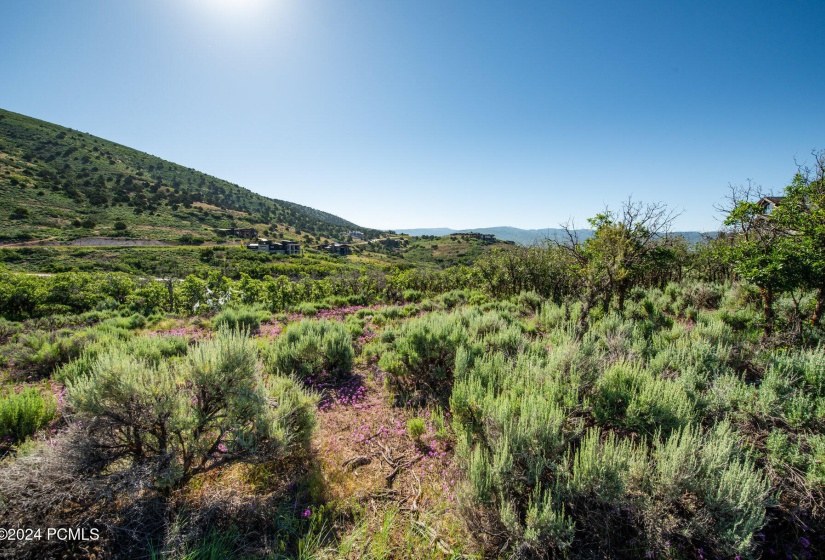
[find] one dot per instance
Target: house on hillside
(340, 249)
(770, 202)
(291, 247)
(284, 247)
(249, 233)
(356, 234)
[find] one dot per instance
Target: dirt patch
(212, 208)
(367, 456)
(33, 243)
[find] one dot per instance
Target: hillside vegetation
(60, 184)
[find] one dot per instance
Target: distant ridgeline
(532, 236)
(60, 184)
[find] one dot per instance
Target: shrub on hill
(19, 213)
(211, 409)
(422, 353)
(312, 348)
(631, 397)
(244, 318)
(23, 413)
(537, 481)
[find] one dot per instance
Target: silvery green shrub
(312, 347)
(191, 416)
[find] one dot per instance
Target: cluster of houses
(285, 247)
(489, 237)
(276, 247)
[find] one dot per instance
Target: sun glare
(235, 11)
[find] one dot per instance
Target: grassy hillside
(60, 184)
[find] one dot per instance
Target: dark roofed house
(261, 245)
(249, 233)
(770, 202)
(341, 249)
(291, 247)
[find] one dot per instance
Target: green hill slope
(60, 184)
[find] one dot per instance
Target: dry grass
(212, 208)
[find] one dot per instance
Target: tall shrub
(310, 348)
(210, 409)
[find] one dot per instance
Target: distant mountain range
(530, 236)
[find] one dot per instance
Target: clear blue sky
(428, 113)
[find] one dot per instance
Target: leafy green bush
(19, 213)
(310, 348)
(414, 296)
(243, 318)
(185, 418)
(308, 309)
(452, 298)
(23, 413)
(149, 297)
(530, 301)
